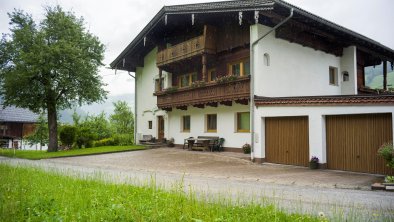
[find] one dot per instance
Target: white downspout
(252, 79)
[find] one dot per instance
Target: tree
(51, 65)
(97, 125)
(123, 119)
(40, 134)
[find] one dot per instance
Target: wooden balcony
(196, 46)
(210, 94)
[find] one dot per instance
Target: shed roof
(15, 114)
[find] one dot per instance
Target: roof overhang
(132, 56)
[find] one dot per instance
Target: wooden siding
(287, 140)
(353, 142)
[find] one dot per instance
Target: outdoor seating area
(203, 143)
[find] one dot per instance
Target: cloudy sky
(117, 22)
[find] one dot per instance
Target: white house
(265, 73)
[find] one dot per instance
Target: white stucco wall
(295, 70)
(226, 124)
(316, 116)
(349, 64)
(146, 102)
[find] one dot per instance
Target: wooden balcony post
(204, 67)
(160, 74)
(385, 75)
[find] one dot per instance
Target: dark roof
(325, 100)
(249, 5)
(15, 114)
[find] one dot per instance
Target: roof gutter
(252, 79)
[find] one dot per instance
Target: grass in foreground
(36, 155)
(30, 194)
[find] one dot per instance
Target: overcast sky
(117, 22)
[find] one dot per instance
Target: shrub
(123, 139)
(246, 148)
(84, 138)
(387, 152)
(67, 135)
(105, 142)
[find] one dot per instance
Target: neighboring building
(15, 124)
(198, 66)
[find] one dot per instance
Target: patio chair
(219, 146)
(186, 142)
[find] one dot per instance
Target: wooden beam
(204, 67)
(182, 107)
(309, 40)
(201, 106)
(227, 103)
(213, 104)
(160, 75)
(242, 101)
(169, 109)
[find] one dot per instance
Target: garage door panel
(353, 141)
(287, 140)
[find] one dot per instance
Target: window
(266, 59)
(211, 123)
(185, 123)
(345, 76)
(187, 79)
(243, 122)
(333, 72)
(239, 68)
(212, 75)
(150, 124)
(373, 77)
(157, 84)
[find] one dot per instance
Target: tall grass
(30, 194)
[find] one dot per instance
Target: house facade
(265, 73)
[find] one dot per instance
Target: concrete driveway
(295, 189)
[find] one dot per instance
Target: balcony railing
(201, 44)
(211, 93)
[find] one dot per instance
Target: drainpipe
(252, 78)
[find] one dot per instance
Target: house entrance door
(160, 127)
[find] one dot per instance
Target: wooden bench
(146, 138)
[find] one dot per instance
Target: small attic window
(345, 76)
(266, 59)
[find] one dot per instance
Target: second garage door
(287, 140)
(353, 142)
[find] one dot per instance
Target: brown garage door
(286, 140)
(353, 142)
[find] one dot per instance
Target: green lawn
(36, 155)
(30, 194)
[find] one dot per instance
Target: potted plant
(246, 148)
(314, 163)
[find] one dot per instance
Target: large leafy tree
(51, 65)
(122, 119)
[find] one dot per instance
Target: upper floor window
(266, 59)
(333, 76)
(187, 79)
(212, 75)
(239, 68)
(157, 84)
